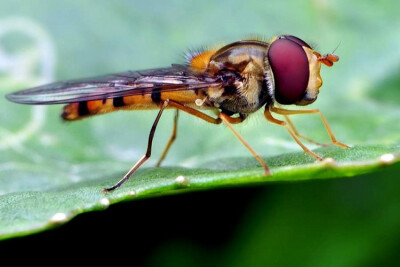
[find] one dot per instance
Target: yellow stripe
(136, 102)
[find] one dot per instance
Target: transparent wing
(174, 78)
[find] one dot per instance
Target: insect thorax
(244, 64)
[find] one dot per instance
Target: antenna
(336, 47)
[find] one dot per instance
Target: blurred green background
(349, 222)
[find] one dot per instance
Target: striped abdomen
(80, 110)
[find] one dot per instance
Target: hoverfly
(234, 81)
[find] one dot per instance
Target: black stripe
(83, 109)
(118, 102)
(156, 96)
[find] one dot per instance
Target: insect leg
(293, 128)
(166, 102)
(227, 121)
(221, 118)
(269, 117)
(311, 111)
(194, 112)
(145, 156)
(171, 139)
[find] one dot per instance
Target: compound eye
(295, 39)
(289, 64)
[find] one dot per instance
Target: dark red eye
(295, 39)
(289, 64)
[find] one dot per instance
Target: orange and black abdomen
(84, 109)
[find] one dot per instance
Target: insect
(234, 81)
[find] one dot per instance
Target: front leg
(286, 112)
(270, 118)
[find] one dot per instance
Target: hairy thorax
(249, 92)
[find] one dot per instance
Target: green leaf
(52, 171)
